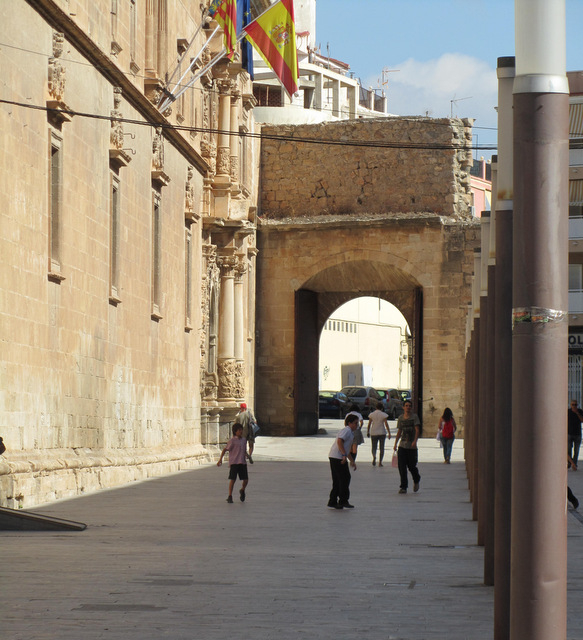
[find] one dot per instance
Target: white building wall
(371, 333)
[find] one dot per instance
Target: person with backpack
(447, 429)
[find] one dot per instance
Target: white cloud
(429, 87)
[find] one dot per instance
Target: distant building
(327, 89)
(366, 341)
(576, 235)
(481, 185)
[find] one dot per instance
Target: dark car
(331, 404)
(393, 402)
(365, 398)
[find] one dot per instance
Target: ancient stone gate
(343, 221)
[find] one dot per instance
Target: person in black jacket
(575, 417)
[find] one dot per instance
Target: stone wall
(397, 165)
(348, 221)
(101, 384)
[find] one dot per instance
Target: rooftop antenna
(384, 80)
(456, 100)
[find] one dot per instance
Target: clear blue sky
(445, 50)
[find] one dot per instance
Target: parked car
(365, 398)
(405, 394)
(331, 404)
(393, 402)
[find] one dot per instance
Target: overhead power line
(132, 76)
(261, 136)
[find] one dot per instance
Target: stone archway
(308, 268)
(322, 294)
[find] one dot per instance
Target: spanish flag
(273, 34)
(225, 13)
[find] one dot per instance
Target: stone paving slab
(169, 558)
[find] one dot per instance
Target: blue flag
(243, 19)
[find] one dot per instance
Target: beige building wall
(104, 317)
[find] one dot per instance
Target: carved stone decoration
(228, 264)
(57, 73)
(228, 384)
(116, 133)
(234, 164)
(158, 150)
(239, 379)
(240, 266)
(189, 195)
(209, 386)
(210, 286)
(223, 161)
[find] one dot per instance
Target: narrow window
(55, 206)
(156, 253)
(188, 277)
(114, 239)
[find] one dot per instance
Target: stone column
(224, 148)
(227, 377)
(239, 322)
(234, 141)
(336, 98)
(162, 39)
(239, 309)
(222, 180)
(150, 39)
(318, 91)
(352, 101)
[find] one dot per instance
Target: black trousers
(408, 461)
(340, 480)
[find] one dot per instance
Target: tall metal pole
(484, 397)
(476, 384)
(503, 348)
(489, 390)
(538, 586)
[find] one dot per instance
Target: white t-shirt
(377, 423)
(347, 436)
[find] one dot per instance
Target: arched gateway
(308, 269)
(318, 249)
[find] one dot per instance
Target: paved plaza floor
(169, 558)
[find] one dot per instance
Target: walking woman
(377, 431)
(408, 432)
(447, 428)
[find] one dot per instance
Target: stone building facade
(351, 209)
(127, 242)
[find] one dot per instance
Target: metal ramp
(18, 520)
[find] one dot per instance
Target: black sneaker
(242, 495)
(332, 505)
(346, 505)
(416, 487)
(230, 499)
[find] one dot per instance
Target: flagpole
(188, 48)
(192, 63)
(169, 100)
